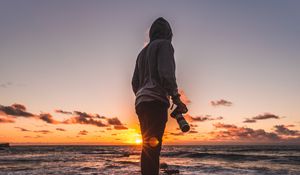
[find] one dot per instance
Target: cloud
(226, 126)
(43, 131)
(19, 106)
(80, 113)
(261, 117)
(114, 121)
(6, 120)
(221, 102)
(60, 129)
(193, 132)
(233, 132)
(99, 117)
(120, 127)
(230, 132)
(202, 118)
(36, 131)
(176, 133)
(6, 84)
(23, 129)
(283, 130)
(48, 118)
(62, 112)
(83, 114)
(18, 110)
(93, 119)
(248, 120)
(35, 137)
(266, 116)
(15, 110)
(84, 118)
(83, 132)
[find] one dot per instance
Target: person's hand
(180, 105)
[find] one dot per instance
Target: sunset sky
(66, 68)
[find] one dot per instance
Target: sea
(123, 160)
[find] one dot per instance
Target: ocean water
(122, 160)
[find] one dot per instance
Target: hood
(160, 29)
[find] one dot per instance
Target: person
(153, 83)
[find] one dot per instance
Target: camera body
(183, 124)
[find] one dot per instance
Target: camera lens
(185, 128)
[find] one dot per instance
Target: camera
(183, 124)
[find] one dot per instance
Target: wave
(267, 150)
(232, 156)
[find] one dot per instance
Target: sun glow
(132, 136)
(138, 141)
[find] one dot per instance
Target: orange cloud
(284, 130)
(120, 127)
(6, 120)
(202, 118)
(43, 131)
(18, 110)
(83, 132)
(82, 119)
(48, 118)
(261, 117)
(266, 116)
(231, 132)
(114, 121)
(22, 129)
(15, 110)
(221, 102)
(60, 129)
(62, 111)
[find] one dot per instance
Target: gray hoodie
(154, 75)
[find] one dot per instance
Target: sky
(66, 68)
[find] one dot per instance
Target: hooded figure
(153, 83)
(160, 29)
(154, 75)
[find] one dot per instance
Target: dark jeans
(153, 117)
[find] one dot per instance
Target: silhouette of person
(153, 83)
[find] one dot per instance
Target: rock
(163, 165)
(169, 172)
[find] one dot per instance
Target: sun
(133, 137)
(138, 141)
